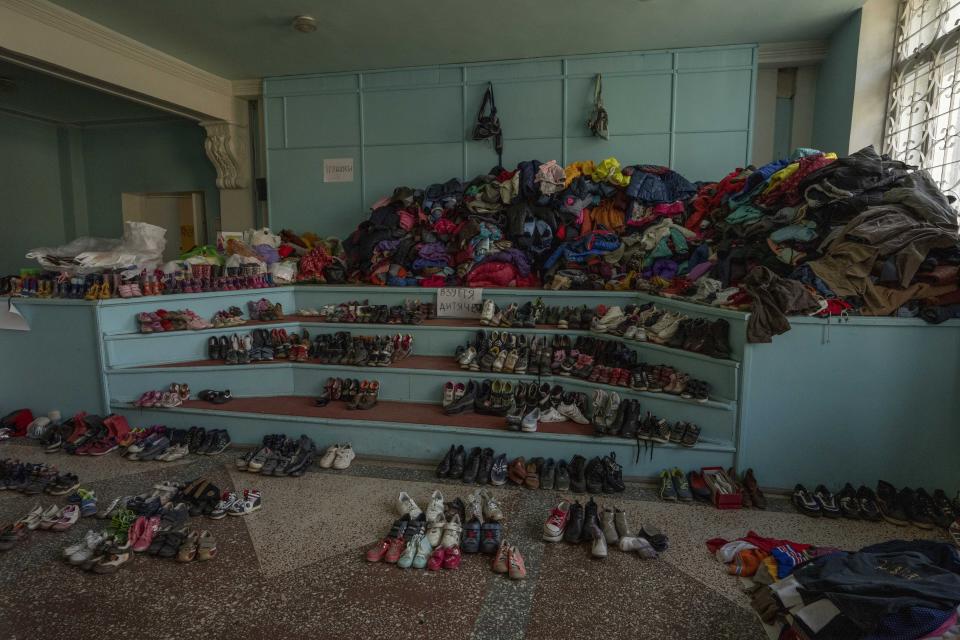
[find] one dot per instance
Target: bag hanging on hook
(598, 120)
(488, 124)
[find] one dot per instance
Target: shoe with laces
(599, 547)
(492, 512)
(827, 501)
(518, 570)
(805, 502)
(867, 502)
(82, 551)
(849, 505)
(226, 503)
(556, 524)
(680, 486)
(344, 457)
(435, 507)
(394, 550)
(569, 410)
(406, 506)
(667, 491)
(405, 561)
(891, 507)
(435, 530)
(252, 501)
(920, 508)
(501, 560)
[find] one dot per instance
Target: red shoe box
(721, 500)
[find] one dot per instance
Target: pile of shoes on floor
(410, 312)
(675, 486)
(438, 537)
(482, 466)
(279, 455)
(900, 507)
(33, 479)
(357, 394)
(575, 523)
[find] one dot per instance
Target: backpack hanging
(488, 124)
(598, 119)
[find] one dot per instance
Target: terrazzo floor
(295, 569)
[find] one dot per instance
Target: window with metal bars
(923, 116)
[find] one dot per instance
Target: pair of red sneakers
(95, 436)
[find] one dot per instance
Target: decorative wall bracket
(226, 146)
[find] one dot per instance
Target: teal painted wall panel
(713, 100)
(31, 212)
(275, 123)
(709, 156)
(411, 116)
(634, 104)
(481, 157)
(326, 120)
(145, 158)
(530, 109)
(645, 149)
(836, 81)
(297, 188)
(415, 124)
(413, 165)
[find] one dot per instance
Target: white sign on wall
(338, 170)
(459, 302)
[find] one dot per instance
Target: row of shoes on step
(33, 479)
(524, 404)
(576, 523)
(371, 351)
(231, 317)
(410, 312)
(260, 345)
(175, 395)
(168, 444)
(162, 320)
(279, 455)
(598, 475)
(646, 323)
(900, 507)
(357, 394)
(614, 416)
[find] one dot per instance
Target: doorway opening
(181, 213)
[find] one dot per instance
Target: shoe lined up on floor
(40, 427)
(33, 479)
(51, 518)
(337, 456)
(167, 445)
(481, 466)
(86, 434)
(279, 455)
(357, 394)
(675, 486)
(410, 312)
(601, 529)
(161, 321)
(900, 507)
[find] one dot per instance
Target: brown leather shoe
(532, 481)
(517, 471)
(752, 488)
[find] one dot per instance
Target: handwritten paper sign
(338, 170)
(459, 302)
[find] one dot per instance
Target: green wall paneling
(412, 126)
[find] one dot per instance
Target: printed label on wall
(338, 170)
(459, 302)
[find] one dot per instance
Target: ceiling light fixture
(305, 24)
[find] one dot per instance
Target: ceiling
(47, 97)
(252, 38)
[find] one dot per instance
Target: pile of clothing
(896, 589)
(810, 234)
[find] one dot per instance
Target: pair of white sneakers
(479, 505)
(337, 456)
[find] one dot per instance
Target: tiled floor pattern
(296, 568)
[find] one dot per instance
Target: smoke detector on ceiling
(305, 24)
(7, 85)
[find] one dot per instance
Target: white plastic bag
(253, 237)
(141, 247)
(284, 272)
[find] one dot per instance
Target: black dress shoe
(578, 479)
(486, 466)
(631, 419)
(575, 524)
(612, 474)
(457, 463)
(443, 470)
(590, 519)
(472, 468)
(562, 479)
(594, 476)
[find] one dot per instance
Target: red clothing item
(765, 544)
(492, 274)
